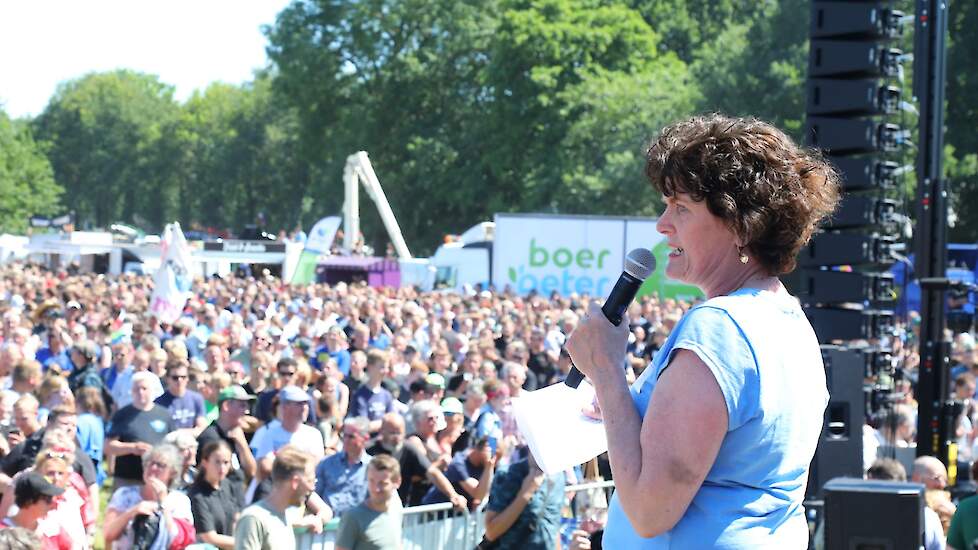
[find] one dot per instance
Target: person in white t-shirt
(287, 429)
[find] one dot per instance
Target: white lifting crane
(358, 168)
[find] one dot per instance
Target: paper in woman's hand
(559, 434)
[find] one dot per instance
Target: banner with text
(576, 254)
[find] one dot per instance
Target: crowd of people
(267, 408)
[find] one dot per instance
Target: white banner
(172, 280)
(321, 235)
(566, 254)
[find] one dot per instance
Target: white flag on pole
(172, 280)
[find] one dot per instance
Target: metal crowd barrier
(438, 526)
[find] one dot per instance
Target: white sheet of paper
(559, 435)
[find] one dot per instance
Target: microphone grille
(640, 263)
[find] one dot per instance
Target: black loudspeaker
(873, 515)
(840, 447)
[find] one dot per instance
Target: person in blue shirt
(336, 348)
(56, 353)
(711, 445)
(341, 479)
(524, 508)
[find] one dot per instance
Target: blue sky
(188, 44)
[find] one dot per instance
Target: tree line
(466, 107)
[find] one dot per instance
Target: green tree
(686, 26)
(758, 66)
(962, 119)
(27, 185)
(471, 108)
(108, 144)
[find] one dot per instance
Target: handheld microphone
(639, 264)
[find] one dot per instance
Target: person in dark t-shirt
(417, 472)
(135, 429)
(542, 362)
(215, 500)
(470, 473)
(232, 405)
(371, 400)
(23, 455)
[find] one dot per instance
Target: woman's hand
(593, 410)
(158, 489)
(580, 540)
(596, 346)
(145, 508)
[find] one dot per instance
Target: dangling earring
(744, 258)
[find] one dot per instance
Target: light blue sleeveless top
(765, 357)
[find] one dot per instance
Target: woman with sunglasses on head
(152, 512)
(74, 510)
(215, 500)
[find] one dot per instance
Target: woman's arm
(221, 541)
(115, 521)
(659, 463)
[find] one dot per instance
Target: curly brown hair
(768, 190)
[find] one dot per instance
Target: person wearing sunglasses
(287, 374)
(185, 406)
(152, 511)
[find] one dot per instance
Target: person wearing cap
(435, 386)
(371, 400)
(490, 422)
(233, 403)
(34, 497)
(288, 373)
(302, 347)
(73, 313)
(287, 429)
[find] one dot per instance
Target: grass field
(103, 499)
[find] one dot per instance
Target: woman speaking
(710, 446)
